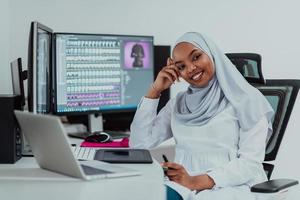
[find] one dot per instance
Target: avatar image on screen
(137, 55)
(137, 52)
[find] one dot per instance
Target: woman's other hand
(165, 78)
(178, 174)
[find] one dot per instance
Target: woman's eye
(196, 57)
(180, 67)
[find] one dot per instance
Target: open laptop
(50, 146)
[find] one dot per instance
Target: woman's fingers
(170, 61)
(168, 76)
(174, 74)
(170, 64)
(169, 73)
(172, 165)
(172, 173)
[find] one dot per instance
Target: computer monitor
(17, 77)
(39, 68)
(96, 73)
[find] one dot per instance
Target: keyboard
(83, 153)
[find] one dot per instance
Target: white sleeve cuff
(217, 175)
(148, 104)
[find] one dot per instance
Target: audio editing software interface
(98, 72)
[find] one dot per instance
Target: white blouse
(231, 156)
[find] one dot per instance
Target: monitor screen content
(101, 73)
(39, 68)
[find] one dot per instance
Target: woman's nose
(191, 67)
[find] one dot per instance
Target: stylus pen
(165, 158)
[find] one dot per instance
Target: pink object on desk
(114, 144)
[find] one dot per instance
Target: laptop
(52, 150)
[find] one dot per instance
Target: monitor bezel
(32, 66)
(17, 73)
(55, 76)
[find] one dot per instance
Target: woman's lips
(197, 76)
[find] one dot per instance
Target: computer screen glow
(96, 73)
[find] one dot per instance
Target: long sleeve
(149, 129)
(247, 167)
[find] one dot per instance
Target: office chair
(282, 95)
(249, 65)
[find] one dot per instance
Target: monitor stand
(95, 122)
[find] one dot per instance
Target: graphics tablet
(124, 155)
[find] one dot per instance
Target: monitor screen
(39, 68)
(101, 73)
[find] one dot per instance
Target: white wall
(268, 27)
(5, 84)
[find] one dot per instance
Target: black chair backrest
(280, 93)
(249, 65)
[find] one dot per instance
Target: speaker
(10, 132)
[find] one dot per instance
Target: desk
(25, 180)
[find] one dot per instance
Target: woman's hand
(178, 174)
(165, 78)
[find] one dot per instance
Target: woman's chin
(200, 83)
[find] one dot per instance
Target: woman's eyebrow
(194, 50)
(178, 62)
(190, 54)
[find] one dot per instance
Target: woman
(220, 124)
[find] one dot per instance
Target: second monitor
(101, 73)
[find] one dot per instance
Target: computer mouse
(99, 137)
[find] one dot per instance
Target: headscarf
(197, 106)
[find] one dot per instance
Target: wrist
(153, 92)
(201, 182)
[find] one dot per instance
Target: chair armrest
(273, 186)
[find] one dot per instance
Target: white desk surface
(25, 180)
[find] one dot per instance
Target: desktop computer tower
(10, 132)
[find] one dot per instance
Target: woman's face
(193, 64)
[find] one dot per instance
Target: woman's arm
(149, 129)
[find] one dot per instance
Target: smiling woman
(220, 124)
(194, 65)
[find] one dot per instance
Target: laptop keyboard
(84, 153)
(93, 171)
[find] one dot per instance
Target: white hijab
(197, 106)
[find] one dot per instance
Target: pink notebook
(114, 144)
